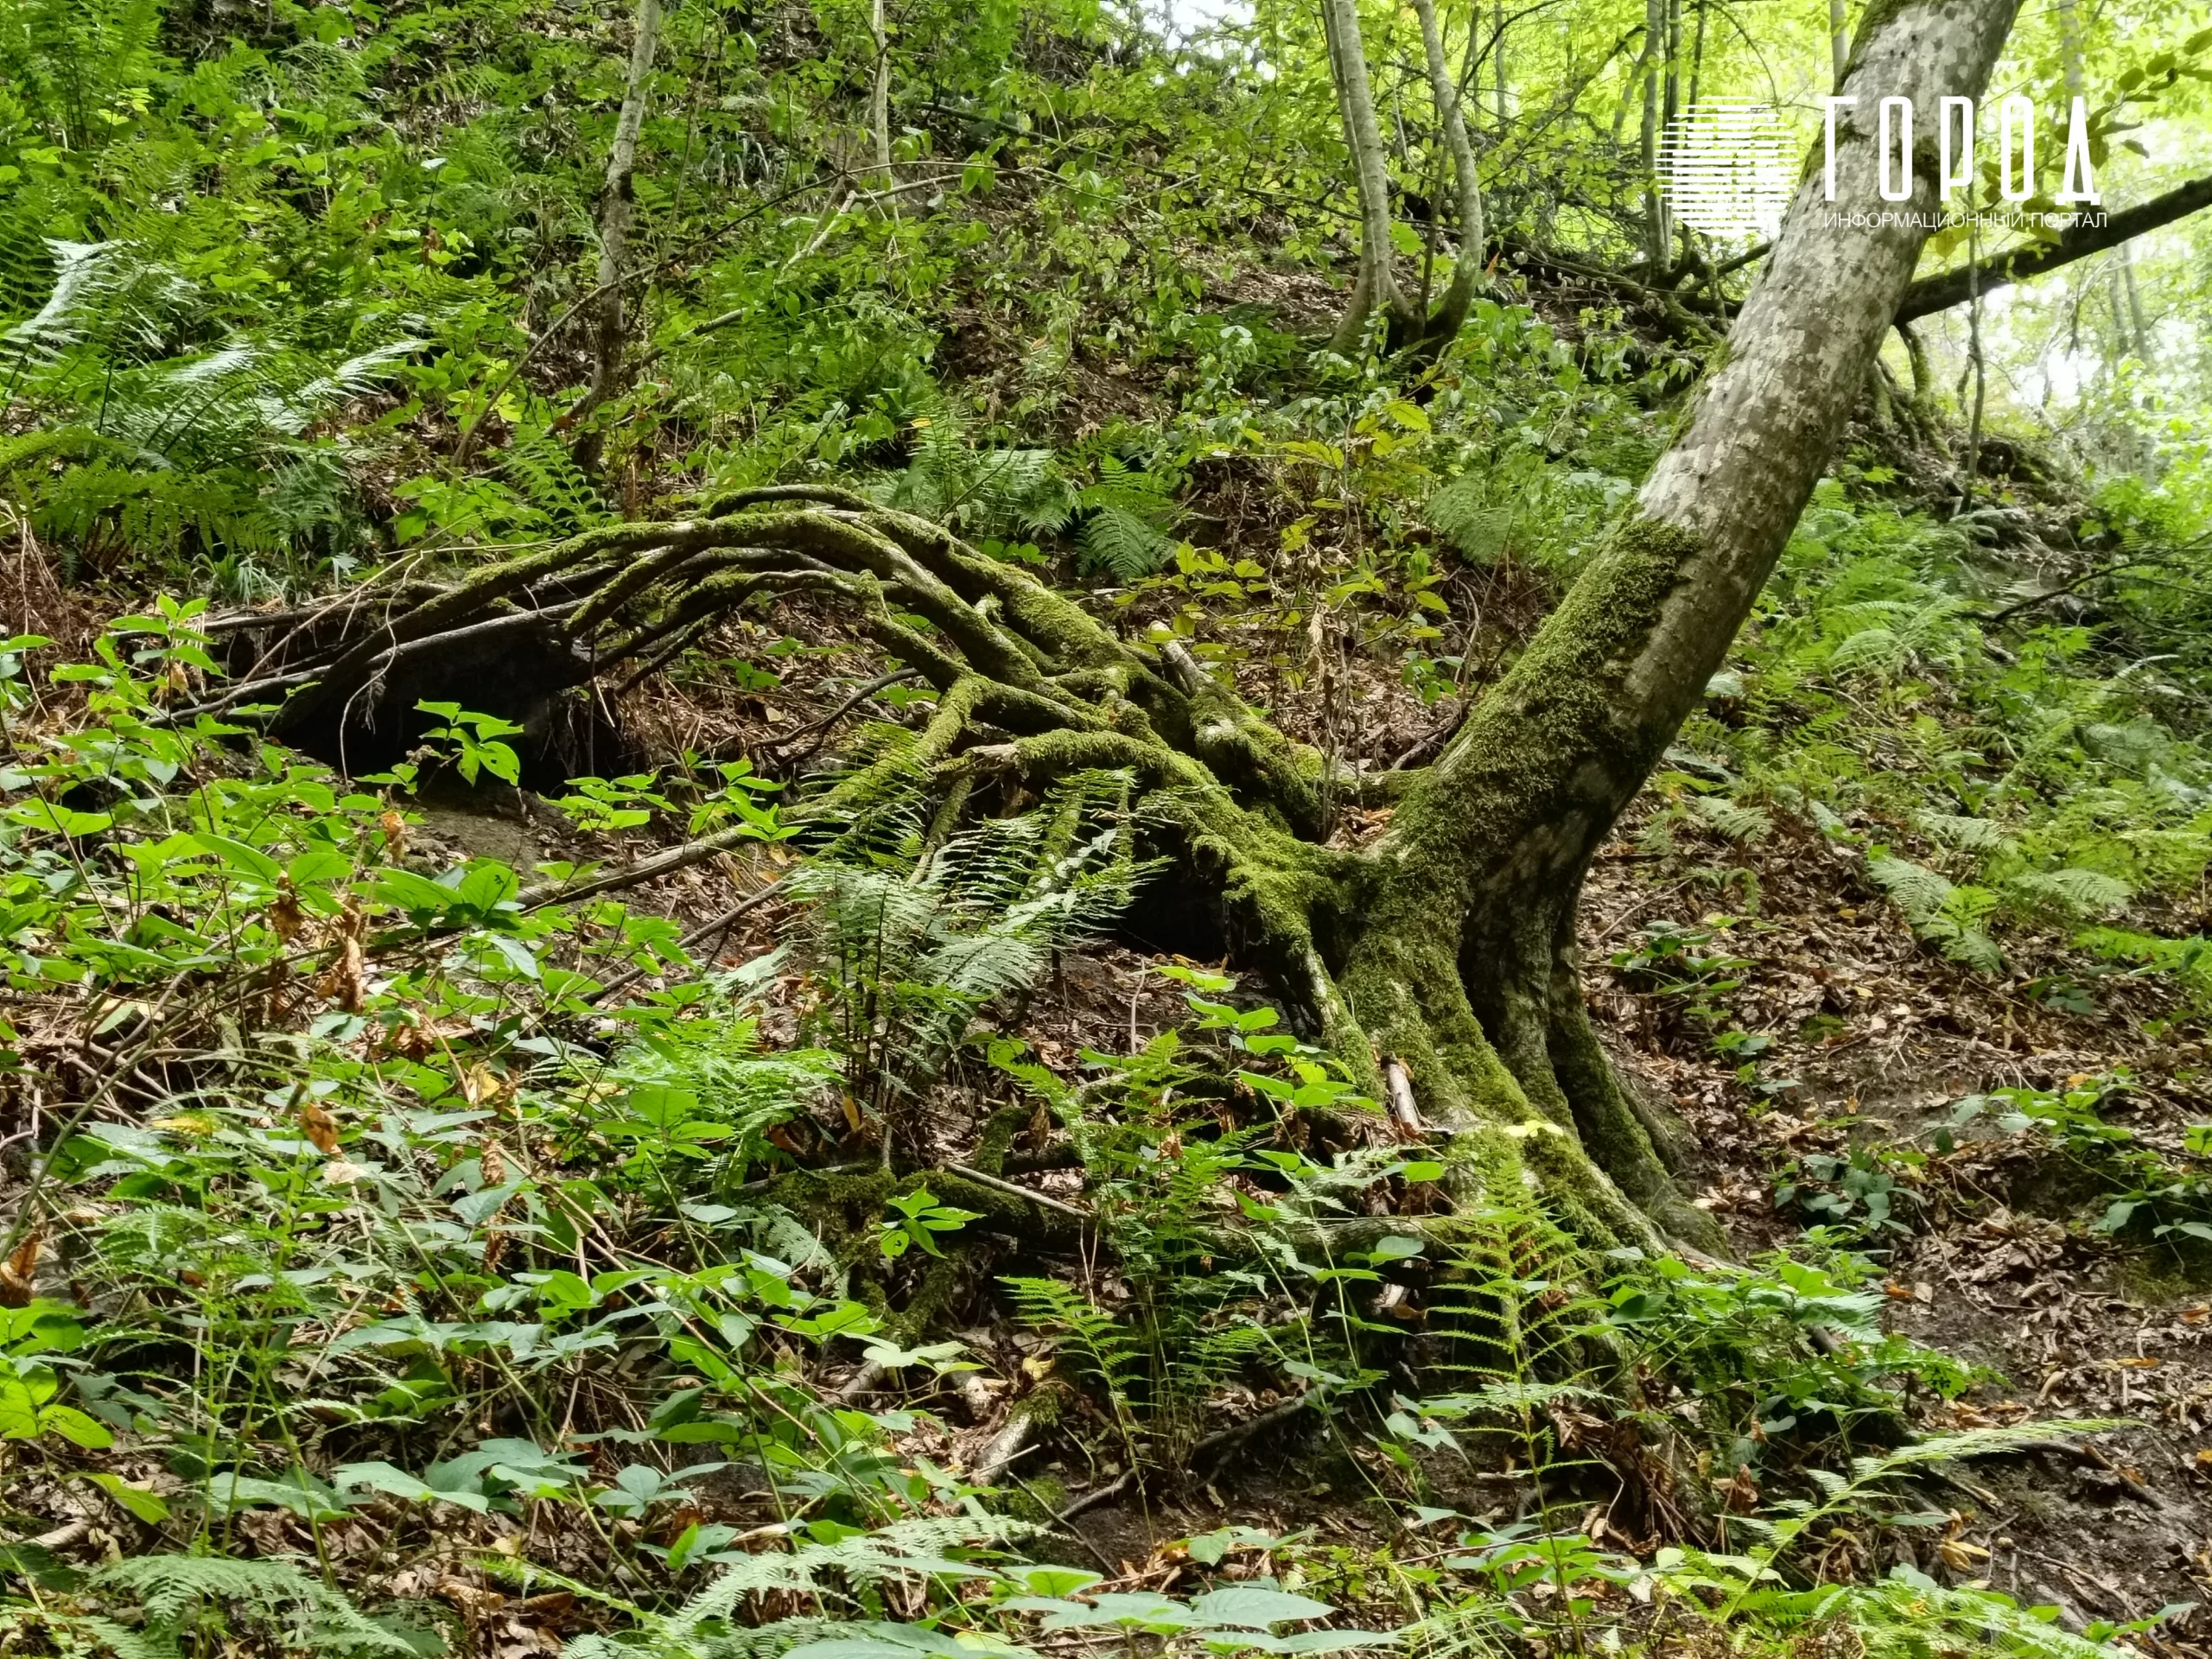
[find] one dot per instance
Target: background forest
(612, 1143)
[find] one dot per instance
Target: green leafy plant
(477, 742)
(916, 1217)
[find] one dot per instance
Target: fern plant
(1122, 519)
(1946, 915)
(1120, 516)
(840, 1577)
(1872, 1477)
(175, 1598)
(909, 940)
(154, 450)
(1109, 1353)
(1518, 1329)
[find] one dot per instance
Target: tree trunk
(878, 106)
(1458, 958)
(1375, 288)
(1655, 210)
(617, 202)
(1467, 271)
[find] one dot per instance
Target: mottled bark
(1467, 271)
(617, 206)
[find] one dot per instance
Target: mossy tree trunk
(1438, 962)
(1462, 963)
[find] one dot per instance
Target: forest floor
(1984, 1238)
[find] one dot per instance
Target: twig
(880, 683)
(1092, 1499)
(475, 630)
(469, 434)
(645, 869)
(1222, 1439)
(966, 1173)
(719, 924)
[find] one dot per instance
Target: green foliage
(1771, 1358)
(2165, 1192)
(179, 1601)
(916, 1217)
(410, 1156)
(912, 944)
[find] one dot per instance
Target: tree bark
(1467, 271)
(617, 205)
(1375, 288)
(1654, 51)
(878, 106)
(1459, 958)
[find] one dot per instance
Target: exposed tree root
(1465, 982)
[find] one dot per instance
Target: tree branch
(1950, 287)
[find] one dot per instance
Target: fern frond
(1917, 891)
(2086, 895)
(1109, 1352)
(1730, 819)
(1967, 835)
(1121, 544)
(169, 1588)
(918, 1545)
(1461, 513)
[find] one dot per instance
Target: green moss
(997, 1137)
(1554, 746)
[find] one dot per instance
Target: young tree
(1439, 962)
(878, 100)
(617, 202)
(1375, 288)
(1466, 274)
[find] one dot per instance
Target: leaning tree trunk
(1461, 961)
(1376, 287)
(1440, 962)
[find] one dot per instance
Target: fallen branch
(1223, 1440)
(645, 869)
(1083, 1217)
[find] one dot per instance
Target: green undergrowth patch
(418, 1234)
